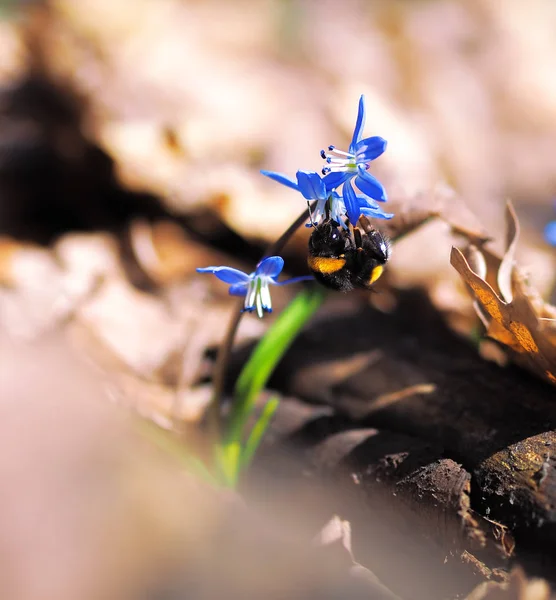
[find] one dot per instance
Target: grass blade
(258, 431)
(266, 356)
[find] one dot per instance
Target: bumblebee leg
(365, 224)
(357, 238)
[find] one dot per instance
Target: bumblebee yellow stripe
(375, 274)
(325, 265)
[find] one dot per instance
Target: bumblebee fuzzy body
(344, 262)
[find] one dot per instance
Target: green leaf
(258, 431)
(266, 355)
(228, 461)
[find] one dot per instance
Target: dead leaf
(337, 533)
(8, 249)
(507, 265)
(407, 392)
(518, 588)
(476, 260)
(336, 530)
(332, 373)
(514, 315)
(135, 326)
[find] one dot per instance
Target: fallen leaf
(513, 313)
(518, 588)
(337, 534)
(135, 326)
(336, 530)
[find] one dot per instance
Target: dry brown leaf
(8, 249)
(135, 326)
(513, 314)
(518, 588)
(40, 289)
(163, 250)
(408, 218)
(336, 530)
(504, 275)
(337, 533)
(332, 373)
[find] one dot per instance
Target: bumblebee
(342, 261)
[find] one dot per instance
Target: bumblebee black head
(327, 239)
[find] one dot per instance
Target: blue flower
(365, 206)
(550, 233)
(255, 285)
(344, 166)
(329, 203)
(311, 186)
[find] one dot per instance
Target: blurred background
(132, 133)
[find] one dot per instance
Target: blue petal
(370, 186)
(226, 274)
(550, 233)
(365, 202)
(311, 185)
(352, 203)
(360, 123)
(238, 289)
(281, 179)
(370, 148)
(271, 266)
(295, 280)
(376, 213)
(334, 180)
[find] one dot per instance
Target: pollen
(324, 265)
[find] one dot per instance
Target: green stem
(219, 377)
(225, 350)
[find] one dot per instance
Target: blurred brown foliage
(131, 136)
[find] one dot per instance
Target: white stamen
(265, 295)
(340, 153)
(259, 305)
(340, 168)
(337, 211)
(318, 212)
(250, 296)
(310, 215)
(338, 161)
